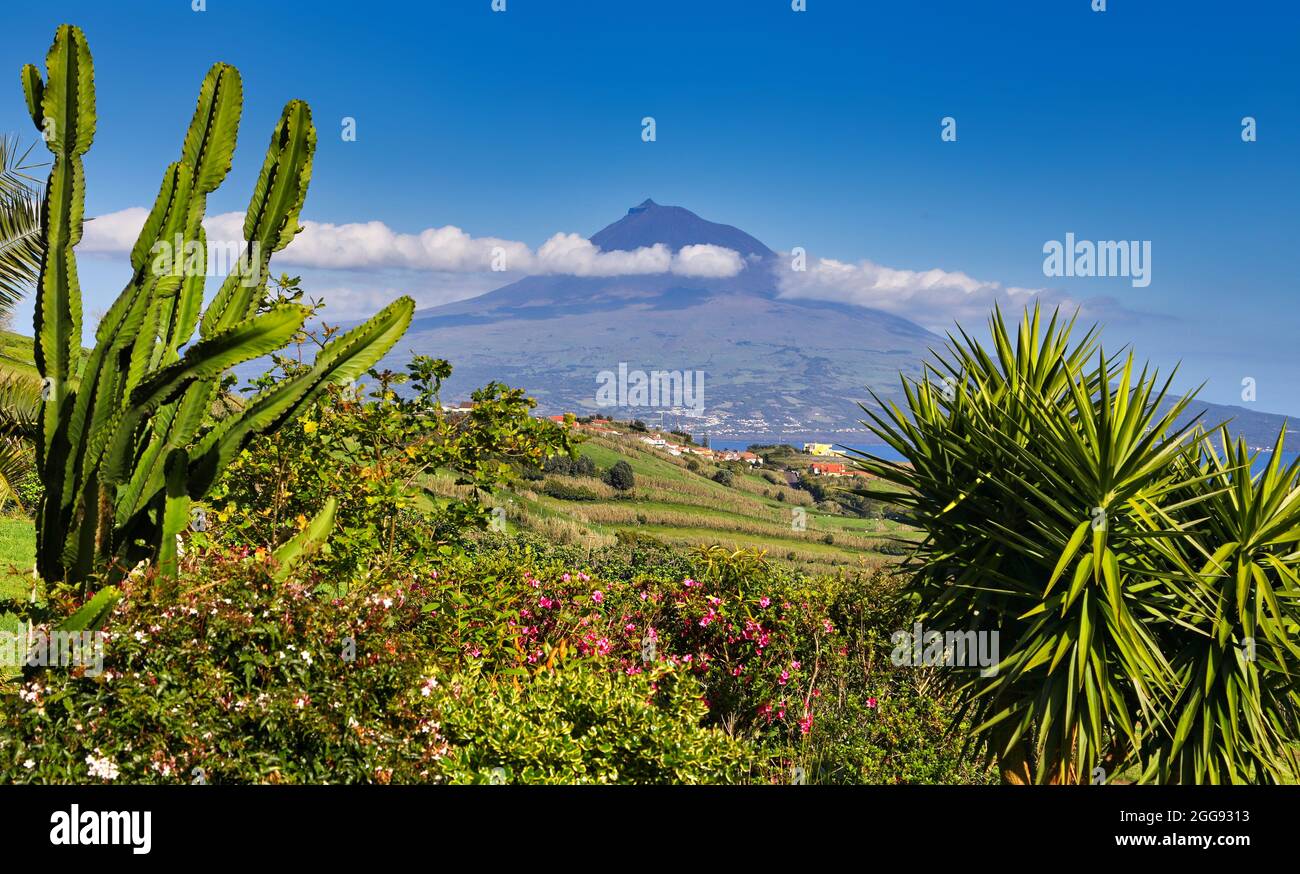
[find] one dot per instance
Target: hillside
(676, 505)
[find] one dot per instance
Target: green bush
(620, 476)
(246, 680)
(584, 724)
(568, 491)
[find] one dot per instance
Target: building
(828, 468)
(818, 449)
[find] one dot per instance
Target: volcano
(772, 366)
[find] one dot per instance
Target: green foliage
(20, 225)
(376, 452)
(620, 476)
(567, 466)
(241, 680)
(583, 724)
(252, 679)
(568, 492)
(126, 442)
(1143, 583)
(723, 476)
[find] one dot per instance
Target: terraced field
(683, 507)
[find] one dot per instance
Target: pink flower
(544, 602)
(598, 597)
(764, 601)
(565, 578)
(602, 646)
(794, 666)
(871, 702)
(784, 678)
(583, 577)
(805, 724)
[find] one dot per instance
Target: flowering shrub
(242, 679)
(797, 666)
(375, 450)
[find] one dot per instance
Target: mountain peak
(649, 223)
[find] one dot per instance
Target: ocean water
(878, 449)
(889, 454)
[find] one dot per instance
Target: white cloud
(706, 260)
(375, 246)
(113, 232)
(932, 298)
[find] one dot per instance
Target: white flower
(102, 767)
(29, 764)
(428, 687)
(306, 656)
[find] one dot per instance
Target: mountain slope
(770, 365)
(773, 366)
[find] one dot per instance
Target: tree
(20, 225)
(620, 476)
(20, 259)
(723, 476)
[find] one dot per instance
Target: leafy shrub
(723, 476)
(568, 491)
(584, 724)
(620, 476)
(243, 679)
(374, 450)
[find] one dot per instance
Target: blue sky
(817, 129)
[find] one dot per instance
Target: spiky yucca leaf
(1064, 509)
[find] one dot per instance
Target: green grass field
(17, 554)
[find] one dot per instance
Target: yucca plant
(1056, 495)
(1234, 642)
(126, 442)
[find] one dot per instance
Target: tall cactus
(122, 449)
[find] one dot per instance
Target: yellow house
(818, 449)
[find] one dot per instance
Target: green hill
(674, 504)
